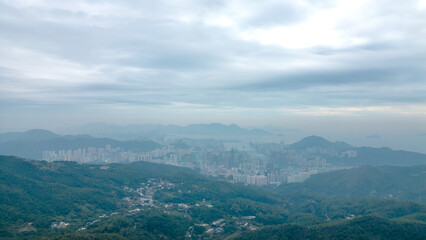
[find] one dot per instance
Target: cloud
(333, 56)
(375, 136)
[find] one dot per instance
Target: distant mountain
(364, 155)
(34, 134)
(385, 156)
(213, 129)
(155, 131)
(128, 132)
(384, 182)
(316, 141)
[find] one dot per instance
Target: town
(258, 164)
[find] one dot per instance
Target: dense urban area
(257, 165)
(180, 187)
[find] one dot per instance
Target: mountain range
(30, 144)
(155, 131)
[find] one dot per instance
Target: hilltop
(334, 152)
(33, 134)
(316, 141)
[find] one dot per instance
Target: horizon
(288, 136)
(351, 71)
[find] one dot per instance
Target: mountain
(382, 156)
(155, 131)
(364, 155)
(36, 194)
(383, 182)
(320, 142)
(213, 129)
(34, 134)
(142, 200)
(128, 132)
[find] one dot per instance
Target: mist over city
(187, 119)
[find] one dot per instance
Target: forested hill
(369, 227)
(36, 194)
(383, 182)
(141, 200)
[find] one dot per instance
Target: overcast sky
(342, 68)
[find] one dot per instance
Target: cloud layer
(212, 60)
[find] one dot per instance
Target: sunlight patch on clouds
(320, 30)
(422, 4)
(294, 37)
(221, 21)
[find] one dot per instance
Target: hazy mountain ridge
(316, 141)
(33, 134)
(154, 130)
(364, 155)
(386, 156)
(30, 144)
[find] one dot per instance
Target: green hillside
(369, 227)
(384, 182)
(36, 194)
(141, 200)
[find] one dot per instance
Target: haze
(352, 71)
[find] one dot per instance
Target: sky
(347, 70)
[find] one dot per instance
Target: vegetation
(384, 182)
(369, 227)
(66, 200)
